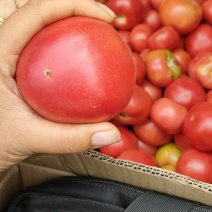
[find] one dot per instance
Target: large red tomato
(197, 126)
(77, 70)
(195, 164)
(183, 15)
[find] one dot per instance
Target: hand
(22, 131)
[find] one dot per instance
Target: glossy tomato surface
(195, 164)
(197, 126)
(168, 115)
(183, 15)
(185, 91)
(77, 70)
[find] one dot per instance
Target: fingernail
(107, 9)
(104, 138)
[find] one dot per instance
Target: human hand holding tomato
(23, 131)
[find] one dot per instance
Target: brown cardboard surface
(26, 174)
(95, 164)
(40, 168)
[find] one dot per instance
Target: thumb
(54, 138)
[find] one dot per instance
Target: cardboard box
(39, 168)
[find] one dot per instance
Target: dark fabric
(86, 194)
(155, 202)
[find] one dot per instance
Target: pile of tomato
(168, 121)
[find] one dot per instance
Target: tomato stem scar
(47, 72)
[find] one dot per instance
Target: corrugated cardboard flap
(95, 164)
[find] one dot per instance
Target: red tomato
(58, 71)
(183, 59)
(151, 134)
(197, 126)
(125, 34)
(196, 60)
(204, 72)
(164, 38)
(195, 164)
(185, 91)
(138, 156)
(139, 37)
(182, 141)
(199, 40)
(154, 91)
(156, 4)
(152, 18)
(183, 15)
(139, 68)
(129, 13)
(209, 96)
(207, 11)
(162, 67)
(150, 149)
(144, 53)
(128, 141)
(168, 115)
(168, 154)
(138, 109)
(147, 5)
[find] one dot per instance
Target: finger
(54, 138)
(7, 7)
(36, 14)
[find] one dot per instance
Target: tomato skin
(152, 19)
(128, 141)
(204, 72)
(161, 67)
(139, 37)
(129, 13)
(195, 61)
(164, 38)
(207, 11)
(150, 149)
(154, 91)
(151, 134)
(209, 96)
(138, 109)
(139, 68)
(64, 86)
(182, 141)
(199, 40)
(195, 164)
(167, 154)
(199, 117)
(168, 115)
(183, 58)
(185, 91)
(183, 15)
(138, 156)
